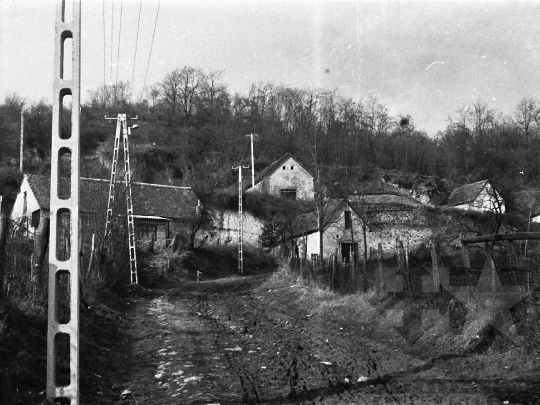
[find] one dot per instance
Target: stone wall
(226, 233)
(410, 226)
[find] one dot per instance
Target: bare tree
(527, 117)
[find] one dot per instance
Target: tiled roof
(309, 222)
(466, 194)
(384, 202)
(148, 199)
(41, 187)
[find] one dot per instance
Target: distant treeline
(192, 130)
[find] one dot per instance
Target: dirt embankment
(270, 339)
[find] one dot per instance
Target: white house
(160, 211)
(285, 177)
(342, 232)
(479, 196)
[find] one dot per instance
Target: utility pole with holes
(254, 138)
(240, 220)
(122, 128)
(64, 298)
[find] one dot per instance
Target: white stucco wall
(31, 205)
(290, 175)
(334, 234)
(408, 226)
(485, 202)
(227, 225)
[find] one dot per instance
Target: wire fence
(515, 265)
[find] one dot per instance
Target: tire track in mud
(283, 355)
(176, 360)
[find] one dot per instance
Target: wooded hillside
(192, 130)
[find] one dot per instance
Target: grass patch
(23, 345)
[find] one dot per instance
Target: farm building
(342, 232)
(160, 211)
(387, 217)
(285, 177)
(479, 196)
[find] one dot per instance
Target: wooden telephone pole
(21, 151)
(254, 138)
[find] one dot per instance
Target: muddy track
(281, 354)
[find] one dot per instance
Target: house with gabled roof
(342, 232)
(479, 196)
(160, 211)
(285, 177)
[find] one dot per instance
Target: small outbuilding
(479, 196)
(342, 232)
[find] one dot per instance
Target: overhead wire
(119, 42)
(104, 49)
(136, 44)
(112, 42)
(151, 47)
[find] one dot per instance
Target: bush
(215, 262)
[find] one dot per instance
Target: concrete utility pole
(240, 220)
(254, 138)
(123, 130)
(64, 298)
(21, 155)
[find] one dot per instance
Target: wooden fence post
(465, 256)
(380, 275)
(435, 266)
(407, 269)
(402, 268)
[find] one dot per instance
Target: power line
(151, 46)
(119, 38)
(112, 42)
(136, 43)
(104, 48)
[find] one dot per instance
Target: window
(35, 219)
(349, 251)
(348, 220)
(292, 167)
(147, 232)
(25, 199)
(289, 193)
(283, 167)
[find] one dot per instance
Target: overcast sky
(423, 58)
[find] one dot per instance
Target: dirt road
(255, 340)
